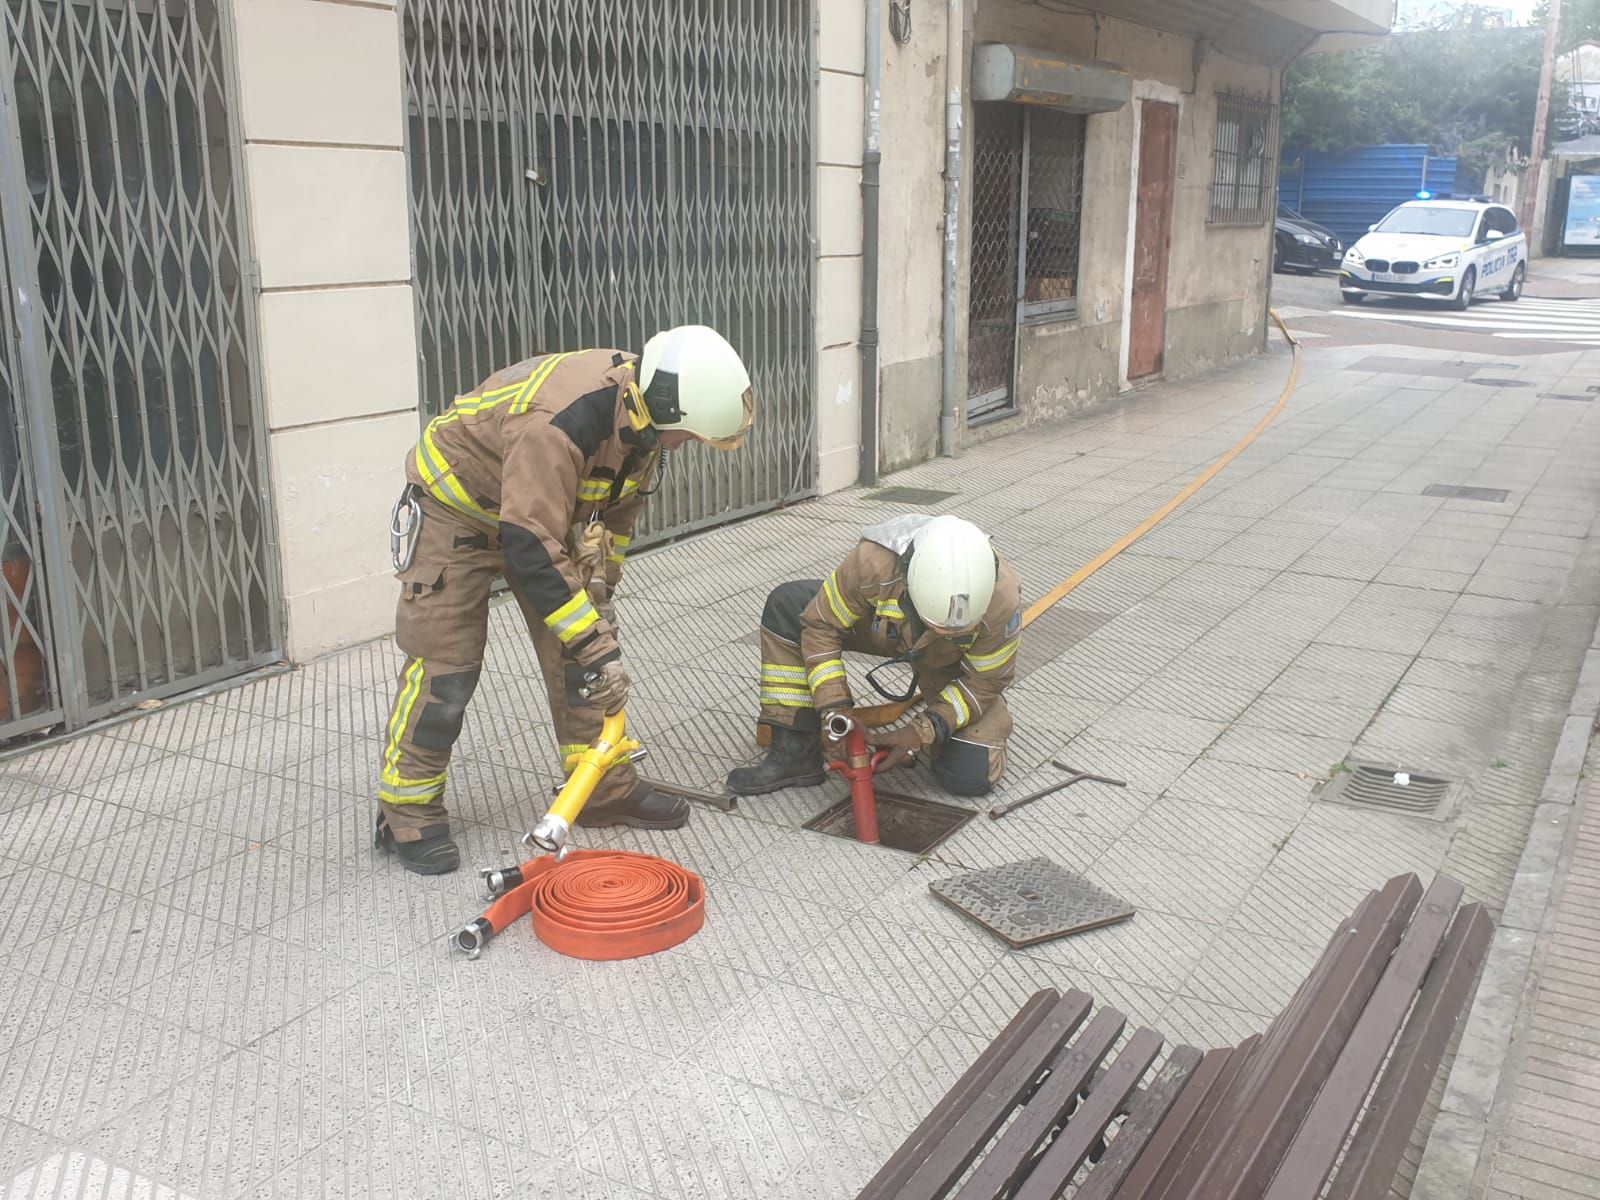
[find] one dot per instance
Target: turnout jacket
(536, 452)
(868, 590)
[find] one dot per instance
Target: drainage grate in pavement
(909, 495)
(1454, 491)
(1367, 785)
(1501, 383)
(904, 822)
(1036, 900)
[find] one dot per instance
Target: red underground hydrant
(859, 765)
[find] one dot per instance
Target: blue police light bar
(1424, 194)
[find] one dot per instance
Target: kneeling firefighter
(540, 475)
(928, 591)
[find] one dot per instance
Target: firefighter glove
(904, 742)
(610, 691)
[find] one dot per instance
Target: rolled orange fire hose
(595, 904)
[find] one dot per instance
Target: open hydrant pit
(907, 823)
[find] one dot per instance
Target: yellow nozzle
(587, 768)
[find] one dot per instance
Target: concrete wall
(840, 144)
(323, 115)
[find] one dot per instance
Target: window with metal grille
(1242, 162)
(1053, 151)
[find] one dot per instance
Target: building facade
(250, 244)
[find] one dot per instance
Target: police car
(1447, 250)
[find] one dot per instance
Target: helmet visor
(958, 619)
(736, 439)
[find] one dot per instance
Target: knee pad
(785, 603)
(440, 723)
(963, 769)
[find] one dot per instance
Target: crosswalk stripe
(1570, 322)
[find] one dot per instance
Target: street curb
(1455, 1146)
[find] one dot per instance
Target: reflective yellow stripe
(441, 480)
(469, 406)
(787, 697)
(830, 588)
(953, 696)
(988, 662)
(619, 547)
(396, 790)
(780, 673)
(401, 717)
(573, 617)
(891, 609)
(594, 489)
(832, 668)
(535, 381)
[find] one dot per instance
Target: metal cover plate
(1036, 900)
(909, 495)
(1451, 491)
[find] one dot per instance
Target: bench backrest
(1269, 1118)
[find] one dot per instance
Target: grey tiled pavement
(211, 987)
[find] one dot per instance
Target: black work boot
(794, 759)
(434, 854)
(642, 808)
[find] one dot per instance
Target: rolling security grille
(583, 175)
(992, 295)
(138, 496)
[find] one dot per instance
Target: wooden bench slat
(1380, 1142)
(949, 1111)
(949, 1159)
(1162, 1161)
(1008, 1159)
(1251, 1128)
(1061, 1161)
(1156, 1101)
(1315, 1148)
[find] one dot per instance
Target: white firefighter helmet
(950, 577)
(692, 380)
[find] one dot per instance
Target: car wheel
(1514, 288)
(1469, 284)
(1352, 297)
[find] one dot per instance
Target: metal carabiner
(405, 529)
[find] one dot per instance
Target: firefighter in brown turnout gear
(928, 591)
(540, 475)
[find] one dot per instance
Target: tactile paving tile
(1032, 901)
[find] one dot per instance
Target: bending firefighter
(927, 591)
(539, 475)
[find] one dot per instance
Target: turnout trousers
(969, 763)
(442, 625)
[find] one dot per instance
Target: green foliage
(1580, 21)
(1467, 90)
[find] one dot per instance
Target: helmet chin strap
(661, 474)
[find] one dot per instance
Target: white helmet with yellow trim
(951, 573)
(693, 380)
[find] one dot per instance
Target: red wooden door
(1152, 237)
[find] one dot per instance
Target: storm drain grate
(1454, 491)
(909, 495)
(1036, 900)
(904, 822)
(1389, 789)
(1502, 383)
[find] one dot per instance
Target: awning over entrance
(1043, 77)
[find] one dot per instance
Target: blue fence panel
(1349, 191)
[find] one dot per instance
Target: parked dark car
(1303, 245)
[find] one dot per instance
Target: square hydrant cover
(1032, 901)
